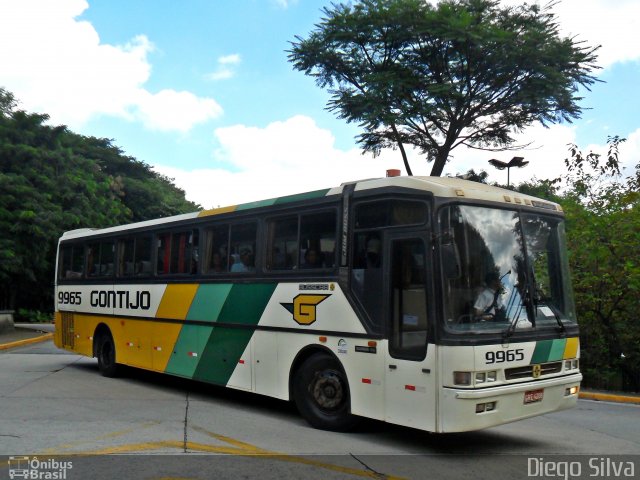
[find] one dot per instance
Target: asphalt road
(56, 407)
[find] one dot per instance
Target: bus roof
(444, 187)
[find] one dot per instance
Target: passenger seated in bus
(312, 259)
(216, 263)
(245, 264)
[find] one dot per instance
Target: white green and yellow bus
(363, 300)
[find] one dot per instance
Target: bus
(363, 300)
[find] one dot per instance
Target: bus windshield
(504, 270)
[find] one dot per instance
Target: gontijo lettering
(120, 299)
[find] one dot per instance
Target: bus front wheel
(321, 393)
(106, 354)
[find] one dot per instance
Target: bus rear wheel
(106, 353)
(321, 393)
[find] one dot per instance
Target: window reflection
(489, 267)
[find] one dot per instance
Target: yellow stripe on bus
(217, 211)
(176, 301)
(571, 348)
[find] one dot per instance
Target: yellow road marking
(242, 449)
(118, 433)
(229, 440)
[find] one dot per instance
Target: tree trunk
(439, 163)
(402, 151)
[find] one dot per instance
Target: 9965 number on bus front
(502, 356)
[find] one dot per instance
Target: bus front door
(410, 387)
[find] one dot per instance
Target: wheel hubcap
(327, 390)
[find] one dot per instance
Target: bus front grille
(527, 372)
(68, 335)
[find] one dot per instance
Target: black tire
(321, 393)
(106, 353)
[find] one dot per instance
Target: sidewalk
(617, 397)
(22, 336)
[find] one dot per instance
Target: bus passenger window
(125, 257)
(243, 247)
(142, 259)
(216, 247)
(318, 240)
(283, 243)
(93, 260)
(77, 262)
(163, 249)
(184, 252)
(71, 262)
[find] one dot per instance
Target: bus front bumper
(474, 409)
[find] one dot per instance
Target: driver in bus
(488, 303)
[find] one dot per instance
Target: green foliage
(462, 72)
(53, 180)
(603, 230)
(24, 315)
(602, 209)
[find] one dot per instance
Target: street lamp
(514, 162)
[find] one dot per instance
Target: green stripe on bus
(557, 350)
(244, 305)
(261, 203)
(302, 196)
(541, 353)
(208, 302)
(188, 349)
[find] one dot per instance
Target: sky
(203, 92)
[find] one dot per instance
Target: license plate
(533, 396)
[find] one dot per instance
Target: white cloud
(225, 68)
(170, 110)
(549, 147)
(55, 63)
(283, 158)
(296, 155)
(285, 3)
(229, 59)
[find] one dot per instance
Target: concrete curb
(20, 343)
(609, 397)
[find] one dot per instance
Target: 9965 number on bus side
(69, 298)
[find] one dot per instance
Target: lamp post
(514, 162)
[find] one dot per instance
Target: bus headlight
(571, 364)
(486, 377)
(462, 378)
(479, 378)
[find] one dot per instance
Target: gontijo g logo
(304, 306)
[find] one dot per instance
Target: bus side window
(283, 243)
(143, 256)
(163, 253)
(318, 240)
(126, 257)
(77, 262)
(216, 246)
(184, 252)
(243, 247)
(64, 262)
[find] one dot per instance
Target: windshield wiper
(527, 303)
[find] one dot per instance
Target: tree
(603, 234)
(464, 72)
(53, 180)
